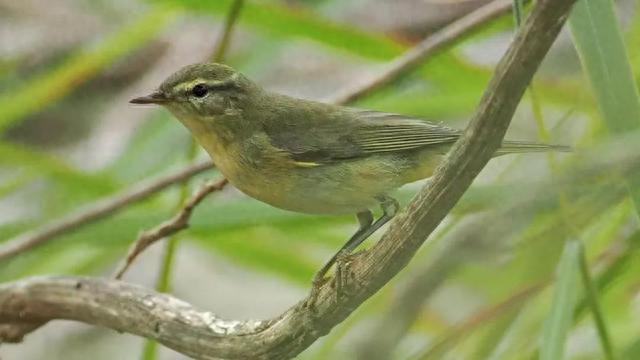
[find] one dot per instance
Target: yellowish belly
(338, 188)
(269, 175)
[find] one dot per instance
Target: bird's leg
(367, 227)
(390, 208)
(365, 219)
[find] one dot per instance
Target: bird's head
(201, 92)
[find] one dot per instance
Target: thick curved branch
(125, 307)
(411, 59)
(204, 336)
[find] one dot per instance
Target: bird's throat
(216, 139)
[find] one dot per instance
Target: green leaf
(45, 164)
(11, 185)
(594, 305)
(44, 89)
(285, 21)
(261, 249)
(560, 318)
(497, 333)
(615, 270)
(154, 147)
(76, 249)
(599, 42)
(633, 351)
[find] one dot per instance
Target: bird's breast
(251, 164)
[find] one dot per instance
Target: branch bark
(103, 208)
(202, 335)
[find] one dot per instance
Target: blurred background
(499, 276)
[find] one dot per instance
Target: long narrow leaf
(282, 20)
(46, 88)
(560, 318)
(602, 52)
(46, 164)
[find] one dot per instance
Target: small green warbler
(308, 156)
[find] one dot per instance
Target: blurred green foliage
(597, 209)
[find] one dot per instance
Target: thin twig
(481, 317)
(178, 222)
(163, 282)
(223, 42)
(202, 335)
(164, 278)
(430, 46)
(96, 211)
(405, 63)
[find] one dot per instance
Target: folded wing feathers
(384, 132)
(373, 132)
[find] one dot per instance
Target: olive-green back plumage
(303, 155)
(323, 133)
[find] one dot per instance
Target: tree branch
(202, 335)
(469, 240)
(96, 211)
(178, 222)
(481, 317)
(472, 239)
(430, 46)
(411, 59)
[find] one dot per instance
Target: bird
(307, 156)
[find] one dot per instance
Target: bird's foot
(344, 275)
(318, 281)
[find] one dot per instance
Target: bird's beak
(154, 98)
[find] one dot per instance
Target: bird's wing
(385, 132)
(355, 133)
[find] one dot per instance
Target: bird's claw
(340, 280)
(343, 274)
(318, 281)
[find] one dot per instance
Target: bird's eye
(200, 90)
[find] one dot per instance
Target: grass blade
(560, 318)
(591, 295)
(599, 42)
(633, 351)
(284, 21)
(46, 164)
(46, 88)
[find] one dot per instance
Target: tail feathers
(515, 147)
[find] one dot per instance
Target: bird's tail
(515, 147)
